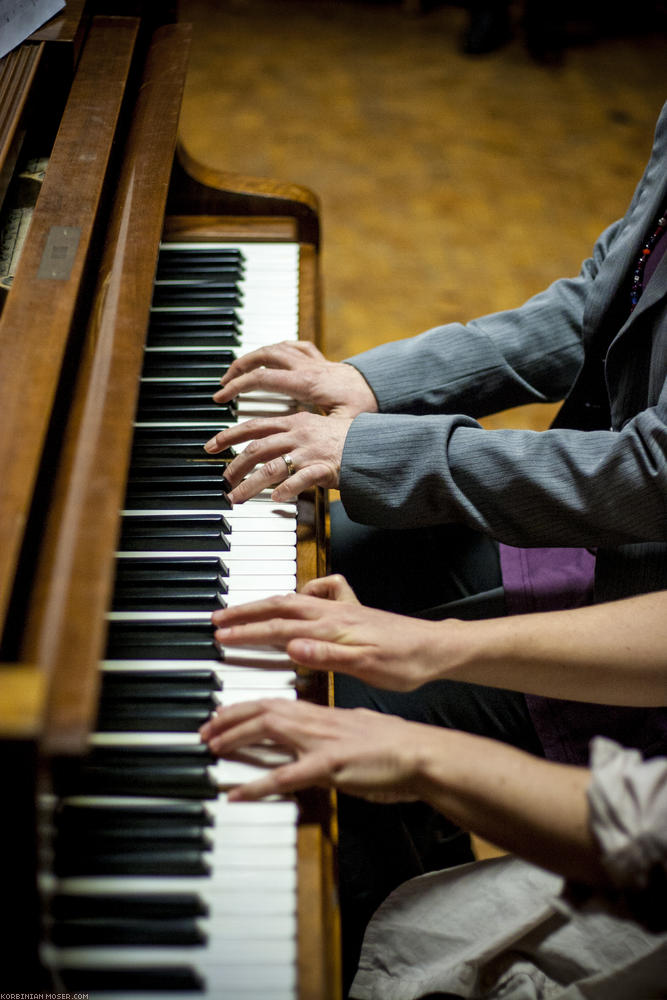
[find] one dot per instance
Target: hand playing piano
(313, 444)
(299, 370)
(325, 628)
(360, 752)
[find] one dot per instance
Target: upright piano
(131, 275)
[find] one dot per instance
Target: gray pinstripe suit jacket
(597, 478)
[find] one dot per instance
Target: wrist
(439, 754)
(365, 400)
(476, 650)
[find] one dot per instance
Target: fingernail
(211, 445)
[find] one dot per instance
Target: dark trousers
(439, 572)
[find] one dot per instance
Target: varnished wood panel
(17, 75)
(43, 308)
(66, 627)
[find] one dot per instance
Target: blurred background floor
(450, 185)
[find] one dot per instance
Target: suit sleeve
(527, 355)
(525, 488)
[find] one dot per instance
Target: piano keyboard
(158, 886)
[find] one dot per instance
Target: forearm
(608, 653)
(526, 805)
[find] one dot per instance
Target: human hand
(300, 371)
(383, 649)
(313, 443)
(356, 751)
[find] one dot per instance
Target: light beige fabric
(506, 930)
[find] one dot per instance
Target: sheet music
(19, 18)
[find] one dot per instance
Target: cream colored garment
(506, 930)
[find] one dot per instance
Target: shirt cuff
(627, 798)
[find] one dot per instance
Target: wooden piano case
(72, 329)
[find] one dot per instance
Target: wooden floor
(450, 186)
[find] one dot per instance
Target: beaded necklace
(646, 251)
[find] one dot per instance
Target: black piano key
(170, 252)
(191, 391)
(175, 756)
(140, 691)
(216, 292)
(184, 268)
(150, 862)
(146, 813)
(169, 414)
(191, 408)
(174, 442)
(191, 532)
(159, 640)
(197, 569)
(226, 276)
(161, 717)
(107, 931)
(215, 336)
(154, 480)
(131, 838)
(204, 679)
(157, 388)
(175, 598)
(174, 322)
(211, 363)
(118, 833)
(193, 368)
(156, 491)
(180, 781)
(189, 394)
(172, 905)
(175, 978)
(180, 270)
(103, 931)
(197, 467)
(216, 500)
(180, 765)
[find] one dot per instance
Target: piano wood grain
(42, 308)
(66, 630)
(72, 347)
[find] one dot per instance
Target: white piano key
(249, 656)
(234, 696)
(273, 928)
(251, 408)
(287, 511)
(235, 598)
(246, 581)
(128, 740)
(227, 881)
(270, 539)
(228, 774)
(250, 680)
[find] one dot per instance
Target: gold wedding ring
(287, 459)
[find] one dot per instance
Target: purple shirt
(553, 580)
